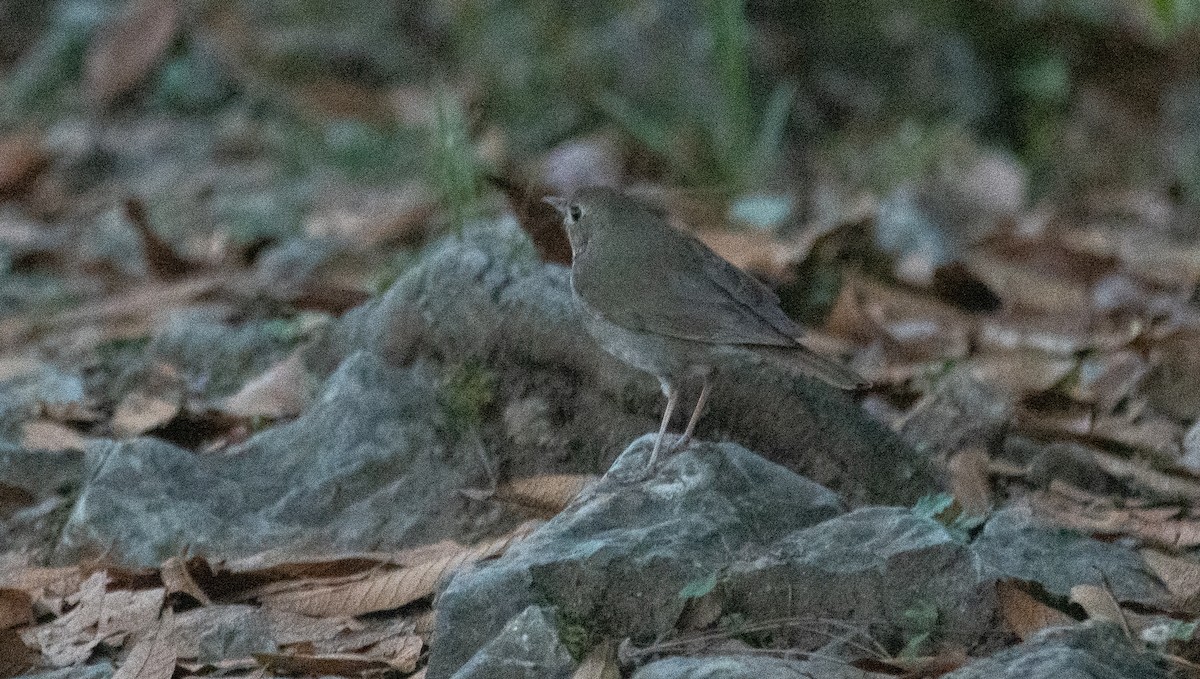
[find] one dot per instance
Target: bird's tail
(804, 361)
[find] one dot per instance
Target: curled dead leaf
(21, 158)
(16, 608)
(44, 434)
(153, 656)
(138, 413)
(282, 391)
(124, 53)
(1023, 613)
(545, 495)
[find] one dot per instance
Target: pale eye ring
(574, 212)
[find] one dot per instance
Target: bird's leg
(691, 425)
(672, 393)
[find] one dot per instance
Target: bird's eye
(575, 212)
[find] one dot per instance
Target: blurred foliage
(720, 94)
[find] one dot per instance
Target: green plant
(456, 167)
(466, 391)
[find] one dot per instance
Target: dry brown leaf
(1021, 373)
(282, 391)
(336, 664)
(161, 260)
(1099, 604)
(15, 657)
(387, 590)
(917, 326)
(401, 653)
(1017, 283)
(289, 628)
(331, 100)
(1023, 613)
(969, 481)
(37, 581)
(1180, 574)
(1139, 474)
(129, 314)
(177, 578)
(372, 219)
(1151, 526)
(375, 593)
(423, 623)
(1159, 436)
(16, 608)
(538, 219)
(139, 413)
(546, 495)
(44, 434)
(13, 499)
(98, 616)
(124, 53)
(153, 656)
(600, 663)
(21, 158)
(758, 252)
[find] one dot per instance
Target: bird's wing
(685, 290)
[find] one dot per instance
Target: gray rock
(22, 396)
(616, 562)
(885, 571)
(213, 633)
(527, 648)
(1014, 545)
(99, 670)
(370, 465)
(960, 412)
(487, 299)
(748, 667)
(896, 576)
(1086, 651)
(50, 479)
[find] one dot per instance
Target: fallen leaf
(153, 656)
(1023, 613)
(1180, 574)
(138, 413)
(600, 663)
(36, 581)
(14, 498)
(758, 252)
(370, 219)
(21, 158)
(540, 221)
(1020, 372)
(401, 653)
(282, 391)
(46, 434)
(125, 52)
(387, 590)
(15, 657)
(161, 260)
(969, 484)
(177, 578)
(1150, 526)
(546, 495)
(98, 616)
(16, 608)
(1099, 604)
(336, 664)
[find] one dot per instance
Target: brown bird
(664, 303)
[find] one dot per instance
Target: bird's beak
(559, 204)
